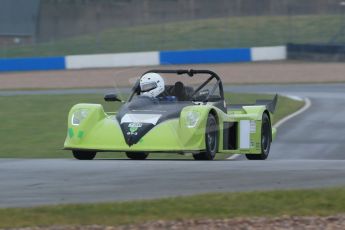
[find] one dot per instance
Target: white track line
(303, 109)
(285, 119)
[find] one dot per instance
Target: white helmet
(151, 84)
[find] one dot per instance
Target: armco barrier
(205, 56)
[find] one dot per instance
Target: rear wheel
(266, 139)
(211, 140)
(84, 155)
(137, 155)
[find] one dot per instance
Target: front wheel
(137, 155)
(211, 140)
(84, 155)
(266, 139)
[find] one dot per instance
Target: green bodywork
(100, 131)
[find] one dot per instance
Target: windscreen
(186, 88)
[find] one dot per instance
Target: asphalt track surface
(308, 153)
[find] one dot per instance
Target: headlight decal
(78, 116)
(192, 119)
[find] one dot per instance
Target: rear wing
(270, 104)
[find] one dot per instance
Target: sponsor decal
(133, 128)
(252, 126)
(140, 118)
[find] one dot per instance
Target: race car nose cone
(133, 132)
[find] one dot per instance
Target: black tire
(137, 155)
(84, 155)
(211, 140)
(266, 139)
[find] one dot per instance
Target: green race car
(173, 118)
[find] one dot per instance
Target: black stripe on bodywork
(134, 134)
(146, 105)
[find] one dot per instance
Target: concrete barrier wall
(32, 64)
(268, 53)
(154, 58)
(112, 60)
(205, 56)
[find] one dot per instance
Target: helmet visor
(148, 86)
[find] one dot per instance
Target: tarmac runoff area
(308, 153)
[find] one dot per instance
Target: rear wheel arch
(268, 114)
(269, 117)
(266, 139)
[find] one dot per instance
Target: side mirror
(112, 97)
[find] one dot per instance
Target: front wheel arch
(211, 139)
(215, 114)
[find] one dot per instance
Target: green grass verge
(35, 126)
(215, 206)
(196, 34)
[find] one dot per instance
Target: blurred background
(294, 48)
(64, 27)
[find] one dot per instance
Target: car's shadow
(121, 159)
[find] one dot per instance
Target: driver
(151, 85)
